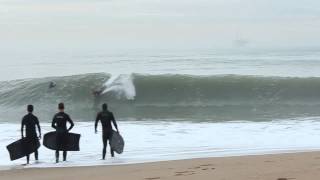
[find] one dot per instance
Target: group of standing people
(30, 123)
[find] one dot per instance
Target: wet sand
(293, 166)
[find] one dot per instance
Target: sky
(158, 24)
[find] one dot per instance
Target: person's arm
(114, 122)
(53, 124)
(71, 122)
(22, 126)
(96, 123)
(39, 128)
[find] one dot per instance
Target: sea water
(169, 105)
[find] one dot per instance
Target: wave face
(187, 97)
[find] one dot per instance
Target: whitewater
(172, 105)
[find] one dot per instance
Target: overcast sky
(129, 24)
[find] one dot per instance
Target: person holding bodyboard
(106, 117)
(59, 123)
(29, 142)
(30, 122)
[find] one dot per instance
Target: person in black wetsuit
(106, 117)
(59, 123)
(30, 121)
(52, 85)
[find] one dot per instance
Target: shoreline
(118, 161)
(271, 153)
(301, 165)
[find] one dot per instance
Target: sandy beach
(295, 166)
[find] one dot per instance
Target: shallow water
(151, 141)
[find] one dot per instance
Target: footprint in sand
(153, 178)
(184, 173)
(203, 167)
(206, 165)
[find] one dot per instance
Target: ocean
(169, 104)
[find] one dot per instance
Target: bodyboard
(117, 142)
(71, 141)
(23, 147)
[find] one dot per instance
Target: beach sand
(292, 166)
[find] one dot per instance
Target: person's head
(61, 107)
(30, 108)
(104, 106)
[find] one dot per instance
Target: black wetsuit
(106, 117)
(52, 85)
(59, 123)
(30, 121)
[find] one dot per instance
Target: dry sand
(295, 166)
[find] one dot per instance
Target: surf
(166, 96)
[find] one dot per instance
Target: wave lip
(139, 96)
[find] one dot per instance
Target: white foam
(121, 85)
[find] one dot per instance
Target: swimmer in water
(98, 92)
(52, 85)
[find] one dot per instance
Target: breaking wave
(169, 96)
